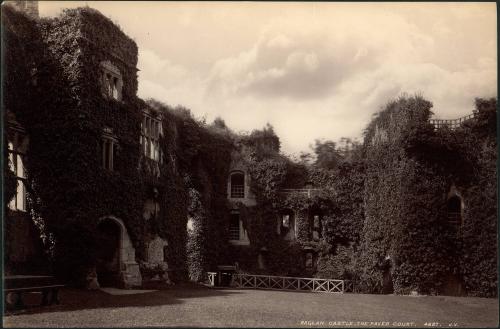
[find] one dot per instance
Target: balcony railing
(309, 192)
(452, 124)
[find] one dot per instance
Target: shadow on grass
(73, 299)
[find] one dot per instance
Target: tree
(220, 123)
(327, 154)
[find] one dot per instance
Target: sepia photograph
(249, 164)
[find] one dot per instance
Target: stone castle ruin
(103, 188)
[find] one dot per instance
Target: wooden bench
(17, 285)
(46, 291)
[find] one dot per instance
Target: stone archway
(116, 264)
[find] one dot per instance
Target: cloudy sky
(312, 70)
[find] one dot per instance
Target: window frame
(16, 148)
(242, 232)
(151, 133)
(111, 81)
(239, 193)
(109, 147)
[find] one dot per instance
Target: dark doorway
(108, 260)
(387, 284)
(453, 285)
(454, 211)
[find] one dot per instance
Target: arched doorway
(108, 258)
(116, 264)
(452, 281)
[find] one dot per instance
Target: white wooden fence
(286, 283)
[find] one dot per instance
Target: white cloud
(323, 76)
(152, 66)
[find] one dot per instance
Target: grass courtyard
(192, 306)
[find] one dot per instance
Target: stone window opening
(111, 81)
(114, 86)
(17, 145)
(238, 185)
(109, 149)
(309, 260)
(286, 225)
(286, 221)
(151, 209)
(237, 233)
(151, 130)
(190, 225)
(234, 227)
(317, 227)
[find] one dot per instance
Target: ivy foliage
(202, 156)
(64, 119)
(70, 189)
(382, 203)
(270, 172)
(478, 252)
(410, 169)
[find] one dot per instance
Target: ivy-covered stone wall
(410, 170)
(65, 113)
(76, 191)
